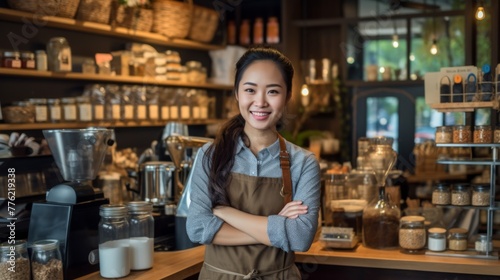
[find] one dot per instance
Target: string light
(480, 14)
(395, 42)
(434, 49)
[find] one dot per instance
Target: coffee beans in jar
(441, 195)
(480, 195)
(482, 134)
(462, 134)
(444, 134)
(460, 194)
(412, 234)
(457, 239)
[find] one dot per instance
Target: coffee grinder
(70, 213)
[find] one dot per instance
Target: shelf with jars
(104, 29)
(461, 106)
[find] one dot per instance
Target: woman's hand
(293, 209)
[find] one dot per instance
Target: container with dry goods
(444, 134)
(412, 234)
(462, 134)
(480, 195)
(441, 195)
(482, 134)
(46, 261)
(460, 194)
(457, 239)
(483, 244)
(436, 240)
(14, 261)
(496, 135)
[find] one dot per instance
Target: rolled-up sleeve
(201, 224)
(297, 234)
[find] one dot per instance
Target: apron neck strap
(286, 189)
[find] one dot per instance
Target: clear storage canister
(28, 60)
(482, 134)
(480, 195)
(114, 243)
(457, 239)
(141, 234)
(460, 194)
(68, 105)
(462, 134)
(14, 260)
(436, 240)
(441, 195)
(59, 55)
(54, 109)
(84, 109)
(412, 234)
(41, 109)
(46, 260)
(496, 135)
(444, 134)
(483, 244)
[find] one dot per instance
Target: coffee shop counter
(186, 263)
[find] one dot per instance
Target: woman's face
(261, 95)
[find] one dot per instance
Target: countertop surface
(185, 263)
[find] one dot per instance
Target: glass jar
(457, 239)
(69, 109)
(11, 59)
(153, 104)
(141, 234)
(482, 134)
(88, 66)
(14, 260)
(441, 194)
(54, 110)
(480, 195)
(412, 234)
(194, 71)
(334, 190)
(496, 135)
(444, 134)
(27, 60)
(483, 244)
(59, 55)
(41, 60)
(41, 109)
(462, 134)
(114, 243)
(140, 104)
(46, 261)
(84, 109)
(460, 195)
(436, 240)
(381, 223)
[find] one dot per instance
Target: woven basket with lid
(172, 18)
(94, 10)
(59, 8)
(204, 24)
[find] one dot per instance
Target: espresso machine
(70, 212)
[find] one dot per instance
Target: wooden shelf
(460, 106)
(105, 29)
(361, 84)
(73, 125)
(103, 78)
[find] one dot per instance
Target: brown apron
(258, 196)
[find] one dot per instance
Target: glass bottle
(457, 239)
(258, 31)
(20, 268)
(141, 112)
(141, 234)
(54, 110)
(127, 104)
(436, 239)
(183, 104)
(412, 234)
(98, 101)
(59, 55)
(334, 190)
(194, 104)
(273, 31)
(153, 104)
(114, 242)
(46, 261)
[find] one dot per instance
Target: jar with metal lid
(441, 195)
(462, 134)
(11, 59)
(41, 60)
(436, 240)
(457, 239)
(412, 234)
(41, 109)
(27, 60)
(482, 134)
(114, 242)
(46, 261)
(84, 109)
(14, 260)
(483, 244)
(59, 55)
(460, 194)
(141, 234)
(69, 109)
(194, 71)
(480, 195)
(54, 110)
(444, 134)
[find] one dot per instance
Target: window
(382, 118)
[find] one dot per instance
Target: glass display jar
(41, 60)
(480, 195)
(14, 260)
(436, 240)
(334, 190)
(482, 134)
(141, 234)
(441, 195)
(59, 55)
(114, 242)
(69, 110)
(41, 109)
(412, 234)
(462, 134)
(444, 134)
(28, 60)
(483, 244)
(457, 239)
(496, 135)
(84, 108)
(11, 59)
(460, 195)
(54, 110)
(46, 260)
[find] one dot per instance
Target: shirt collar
(273, 149)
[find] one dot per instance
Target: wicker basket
(94, 10)
(131, 17)
(172, 18)
(59, 8)
(204, 24)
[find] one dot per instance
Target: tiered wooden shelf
(460, 106)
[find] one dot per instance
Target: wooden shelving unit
(461, 106)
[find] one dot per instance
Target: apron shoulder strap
(286, 189)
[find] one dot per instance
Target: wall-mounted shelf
(111, 79)
(105, 29)
(461, 106)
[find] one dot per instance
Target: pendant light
(480, 14)
(434, 48)
(395, 38)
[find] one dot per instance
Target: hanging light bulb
(434, 48)
(395, 42)
(305, 95)
(480, 14)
